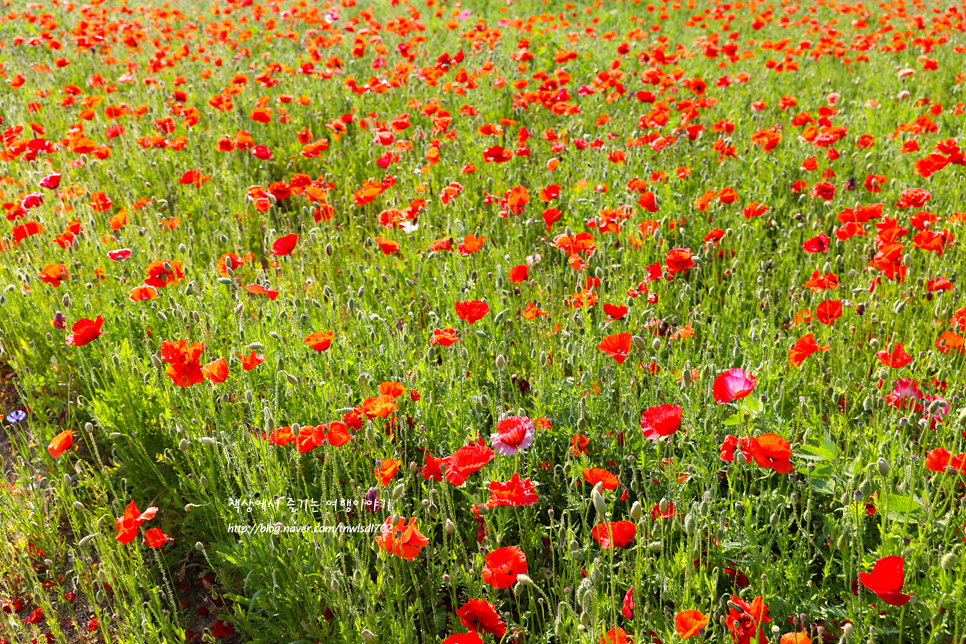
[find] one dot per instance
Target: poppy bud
(78, 505)
(83, 542)
(574, 547)
(948, 561)
(883, 466)
(500, 361)
(450, 527)
(190, 507)
(368, 636)
(581, 423)
(599, 504)
(655, 546)
(740, 458)
(638, 342)
(690, 524)
(66, 301)
(636, 511)
(204, 440)
(524, 580)
(656, 344)
(398, 490)
(335, 586)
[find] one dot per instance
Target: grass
(859, 488)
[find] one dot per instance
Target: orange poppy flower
(53, 274)
(689, 623)
(320, 340)
(60, 443)
(386, 470)
(216, 371)
(402, 539)
(251, 361)
(596, 475)
(379, 406)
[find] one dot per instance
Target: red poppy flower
(60, 443)
(519, 274)
(896, 360)
(804, 347)
(513, 493)
(221, 629)
(261, 152)
(627, 606)
(617, 346)
(732, 385)
(816, 244)
(501, 567)
(469, 637)
(677, 260)
(184, 367)
(480, 615)
(251, 361)
(615, 312)
(320, 340)
(142, 293)
(660, 421)
(386, 469)
(828, 311)
(402, 539)
(51, 181)
(596, 475)
(155, 538)
(127, 526)
(689, 623)
(913, 198)
(444, 337)
(432, 470)
(886, 580)
(497, 154)
(281, 436)
(284, 245)
(84, 331)
(161, 274)
(747, 619)
(578, 445)
(615, 635)
(618, 533)
(771, 451)
(216, 371)
(256, 289)
(465, 461)
(471, 311)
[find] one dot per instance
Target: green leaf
(733, 419)
(901, 507)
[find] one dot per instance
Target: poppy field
(468, 322)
